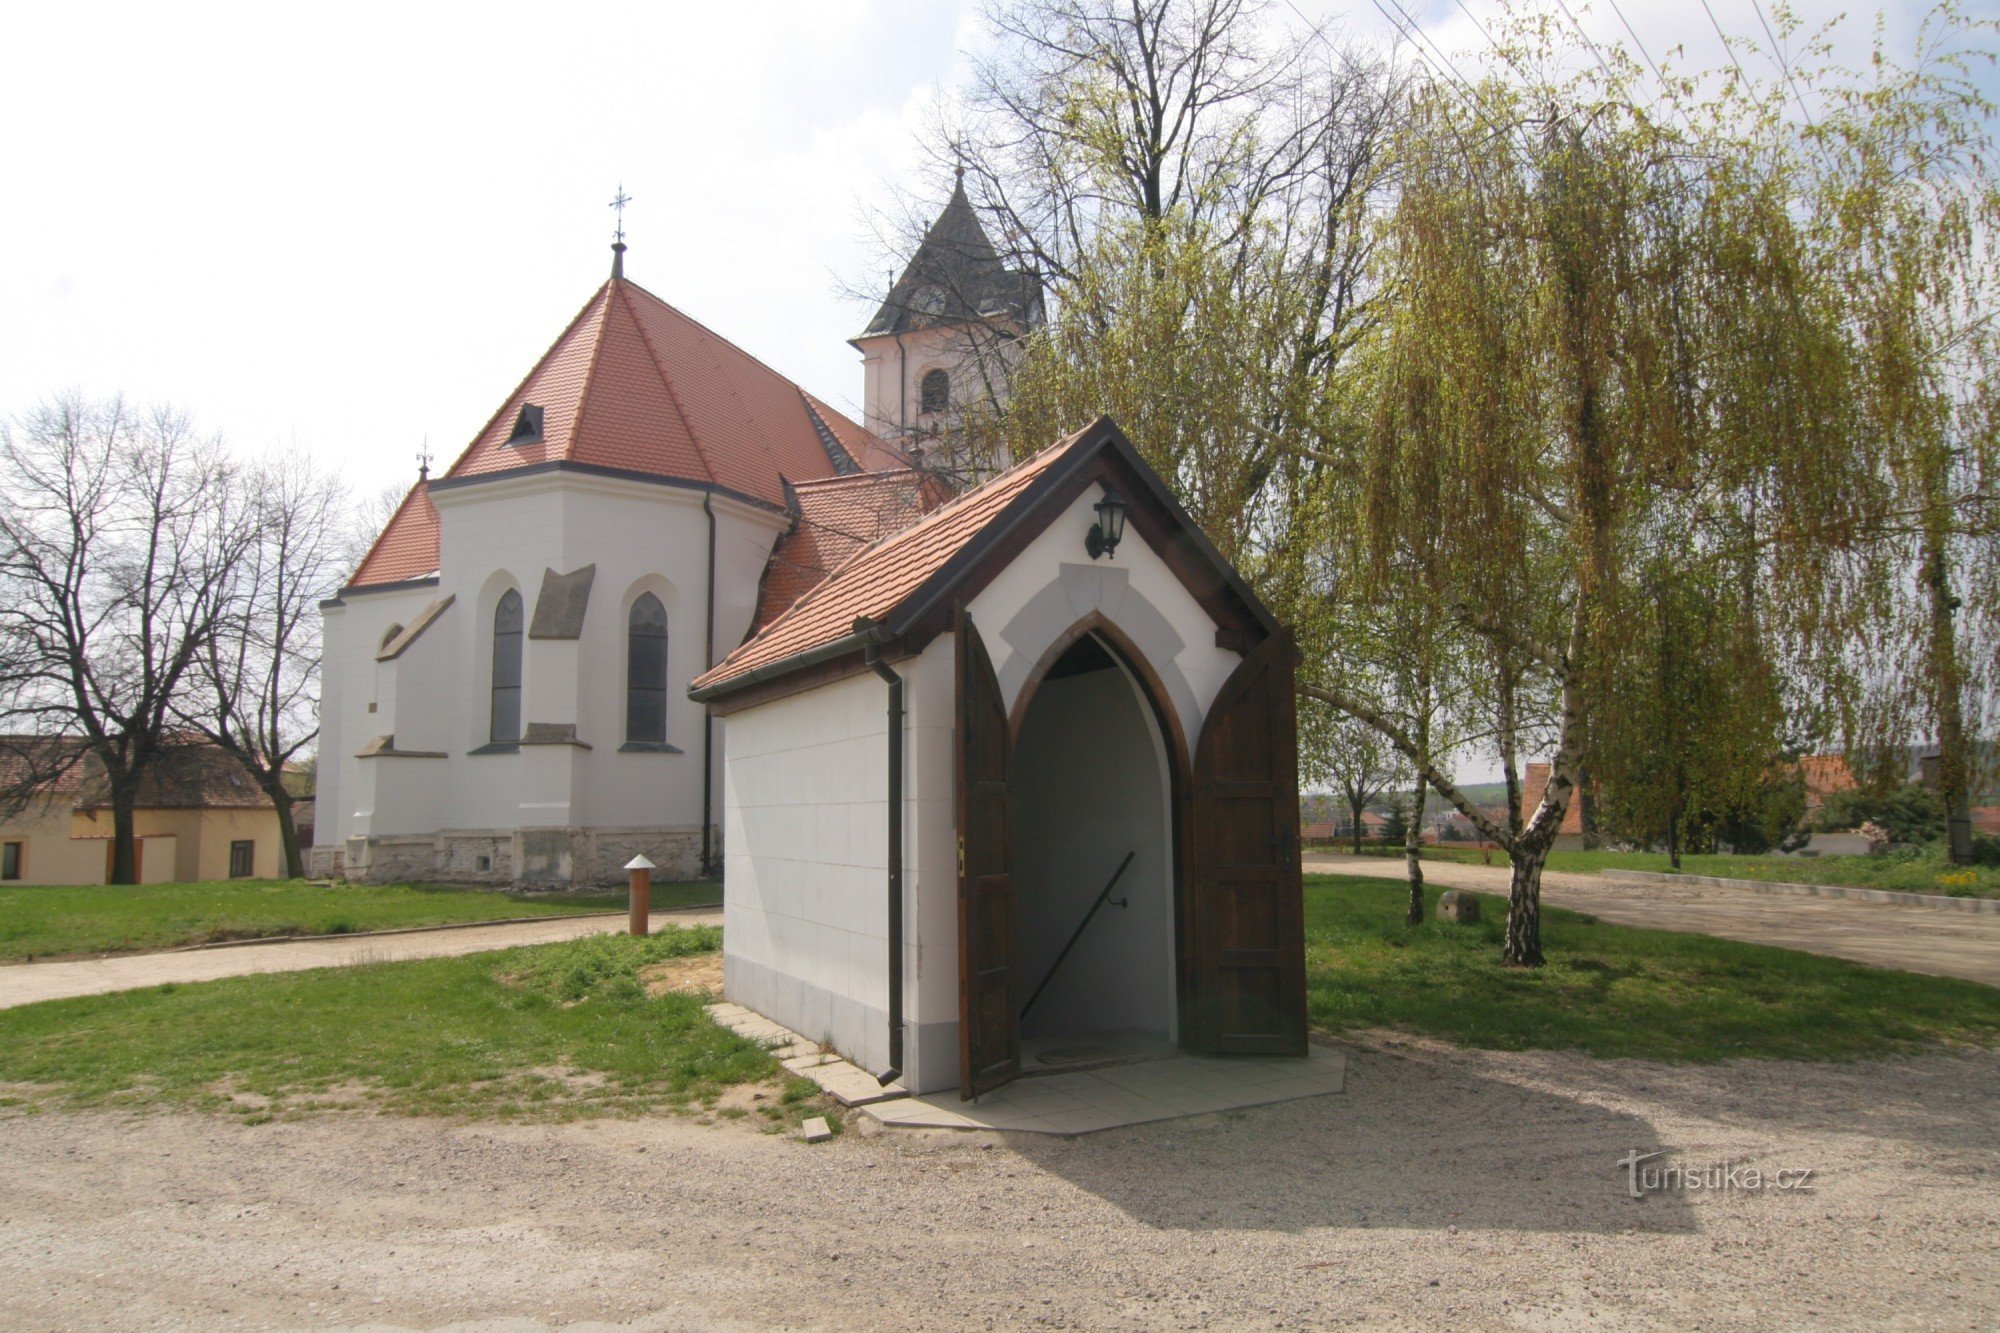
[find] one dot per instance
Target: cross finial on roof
(618, 202)
(424, 461)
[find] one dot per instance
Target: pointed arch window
(646, 672)
(935, 393)
(507, 624)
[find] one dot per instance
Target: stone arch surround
(1076, 592)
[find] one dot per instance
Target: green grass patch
(38, 921)
(1915, 870)
(554, 1031)
(1616, 990)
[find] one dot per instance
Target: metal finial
(618, 202)
(424, 461)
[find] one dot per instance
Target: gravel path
(28, 983)
(1443, 1189)
(1915, 939)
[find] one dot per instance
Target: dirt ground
(1443, 1189)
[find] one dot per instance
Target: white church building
(504, 682)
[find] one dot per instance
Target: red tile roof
(408, 546)
(875, 581)
(1535, 785)
(636, 386)
(192, 776)
(836, 518)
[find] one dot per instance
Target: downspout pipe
(874, 638)
(707, 718)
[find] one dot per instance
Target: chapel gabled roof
(957, 277)
(900, 587)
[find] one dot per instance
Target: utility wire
(1727, 48)
(1784, 67)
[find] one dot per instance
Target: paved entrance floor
(1124, 1094)
(1913, 939)
(29, 983)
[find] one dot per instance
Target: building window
(10, 860)
(242, 859)
(506, 729)
(936, 393)
(646, 672)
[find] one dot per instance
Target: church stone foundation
(552, 859)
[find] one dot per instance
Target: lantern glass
(1111, 520)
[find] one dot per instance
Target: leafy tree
(1609, 345)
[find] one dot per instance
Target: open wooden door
(989, 1028)
(1245, 912)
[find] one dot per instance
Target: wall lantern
(1109, 530)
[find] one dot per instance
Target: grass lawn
(553, 1031)
(1927, 872)
(61, 920)
(1616, 990)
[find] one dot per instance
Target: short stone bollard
(1456, 905)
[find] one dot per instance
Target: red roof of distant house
(635, 387)
(837, 517)
(1534, 785)
(188, 776)
(1824, 774)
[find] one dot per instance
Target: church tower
(943, 342)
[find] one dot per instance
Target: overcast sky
(356, 228)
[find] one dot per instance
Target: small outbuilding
(1019, 779)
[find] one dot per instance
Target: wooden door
(989, 1027)
(1245, 910)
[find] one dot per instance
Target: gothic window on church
(646, 672)
(507, 621)
(936, 391)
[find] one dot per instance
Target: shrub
(1909, 814)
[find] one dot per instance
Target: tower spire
(618, 203)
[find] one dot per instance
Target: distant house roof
(956, 276)
(635, 388)
(194, 776)
(837, 517)
(1534, 785)
(1823, 775)
(900, 585)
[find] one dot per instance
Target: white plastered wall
(435, 697)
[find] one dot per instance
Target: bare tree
(255, 692)
(1359, 763)
(117, 545)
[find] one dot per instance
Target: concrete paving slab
(1091, 1101)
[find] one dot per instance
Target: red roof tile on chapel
(633, 385)
(875, 581)
(838, 517)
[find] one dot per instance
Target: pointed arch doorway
(1198, 941)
